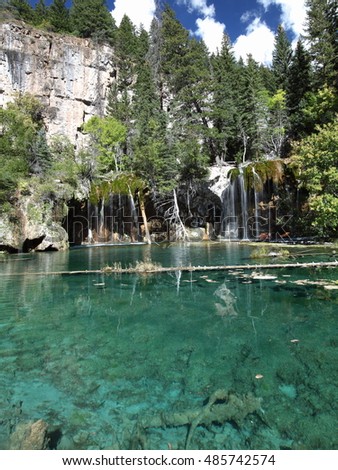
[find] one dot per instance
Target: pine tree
(185, 74)
(174, 44)
(22, 10)
(154, 56)
(281, 58)
(321, 33)
(91, 19)
(223, 109)
(332, 20)
(40, 13)
(126, 49)
(252, 111)
(298, 85)
(59, 16)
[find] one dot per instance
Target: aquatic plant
(265, 252)
(146, 266)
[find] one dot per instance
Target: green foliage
(59, 16)
(91, 19)
(317, 159)
(126, 183)
(22, 10)
(107, 135)
(174, 42)
(281, 58)
(320, 107)
(224, 105)
(321, 33)
(252, 111)
(40, 13)
(299, 79)
(22, 147)
(256, 174)
(28, 163)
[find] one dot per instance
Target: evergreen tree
(154, 57)
(59, 16)
(281, 58)
(298, 85)
(22, 10)
(174, 44)
(321, 33)
(146, 103)
(332, 20)
(223, 109)
(91, 19)
(142, 45)
(126, 49)
(185, 73)
(40, 13)
(252, 111)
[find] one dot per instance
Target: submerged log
(162, 269)
(222, 406)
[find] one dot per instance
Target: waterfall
(134, 217)
(244, 204)
(229, 219)
(241, 205)
(258, 197)
(101, 223)
(90, 237)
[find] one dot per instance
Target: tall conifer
(91, 19)
(281, 58)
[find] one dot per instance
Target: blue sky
(251, 24)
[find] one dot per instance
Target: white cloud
(208, 28)
(211, 31)
(258, 41)
(201, 6)
(140, 11)
(293, 13)
(259, 38)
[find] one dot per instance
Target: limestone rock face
(32, 228)
(70, 76)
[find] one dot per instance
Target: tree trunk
(144, 218)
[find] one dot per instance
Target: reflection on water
(127, 361)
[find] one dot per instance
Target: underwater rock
(30, 436)
(81, 438)
(288, 390)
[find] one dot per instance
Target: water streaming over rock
(248, 202)
(113, 219)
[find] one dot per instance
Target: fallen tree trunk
(162, 269)
(222, 406)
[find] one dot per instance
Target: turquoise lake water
(128, 361)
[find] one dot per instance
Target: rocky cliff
(71, 76)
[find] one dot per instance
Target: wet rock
(30, 436)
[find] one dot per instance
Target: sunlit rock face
(71, 76)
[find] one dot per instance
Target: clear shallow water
(102, 358)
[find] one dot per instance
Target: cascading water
(258, 198)
(134, 218)
(244, 204)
